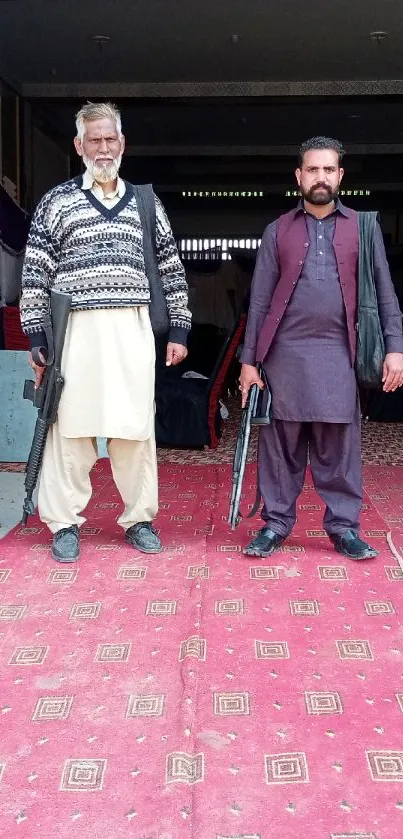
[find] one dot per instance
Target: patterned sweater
(79, 246)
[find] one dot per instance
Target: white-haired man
(86, 239)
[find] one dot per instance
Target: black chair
(384, 407)
(188, 410)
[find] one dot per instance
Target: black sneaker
(349, 544)
(143, 537)
(66, 544)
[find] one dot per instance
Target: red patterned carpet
(198, 695)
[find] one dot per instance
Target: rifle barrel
(51, 386)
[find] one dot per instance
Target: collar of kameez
(89, 183)
(339, 208)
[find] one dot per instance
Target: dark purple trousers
(334, 451)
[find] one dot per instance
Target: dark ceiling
(234, 125)
(216, 87)
(51, 41)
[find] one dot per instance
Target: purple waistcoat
(292, 244)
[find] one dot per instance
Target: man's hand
(392, 376)
(249, 376)
(38, 370)
(175, 354)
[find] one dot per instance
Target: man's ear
(341, 175)
(298, 176)
(78, 146)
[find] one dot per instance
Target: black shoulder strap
(145, 199)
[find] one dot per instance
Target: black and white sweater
(79, 246)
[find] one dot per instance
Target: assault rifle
(46, 397)
(253, 414)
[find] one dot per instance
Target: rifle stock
(46, 397)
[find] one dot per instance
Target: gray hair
(97, 110)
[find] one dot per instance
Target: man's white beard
(103, 174)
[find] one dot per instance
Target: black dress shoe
(349, 544)
(264, 543)
(143, 537)
(66, 544)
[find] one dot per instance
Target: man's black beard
(325, 196)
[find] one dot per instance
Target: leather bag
(370, 353)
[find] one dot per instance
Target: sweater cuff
(248, 356)
(178, 335)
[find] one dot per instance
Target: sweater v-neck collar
(107, 212)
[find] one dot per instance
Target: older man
(301, 327)
(86, 239)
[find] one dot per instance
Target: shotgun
(253, 414)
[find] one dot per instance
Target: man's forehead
(321, 157)
(100, 127)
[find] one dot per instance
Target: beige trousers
(108, 365)
(65, 485)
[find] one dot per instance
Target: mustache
(321, 186)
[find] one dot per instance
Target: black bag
(145, 199)
(370, 353)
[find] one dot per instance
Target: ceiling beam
(180, 90)
(251, 151)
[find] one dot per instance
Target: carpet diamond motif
(197, 694)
